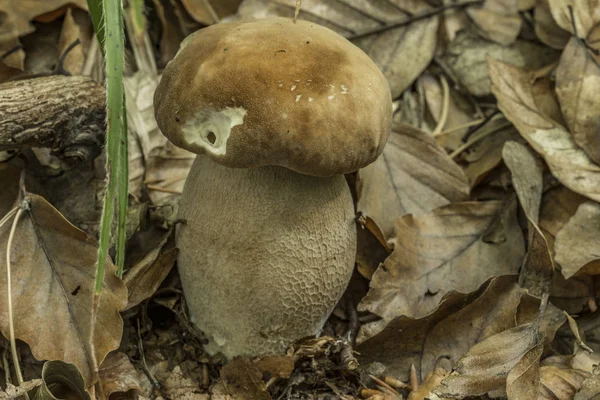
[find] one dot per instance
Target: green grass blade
(113, 52)
(122, 196)
(95, 7)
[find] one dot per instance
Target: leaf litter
(483, 206)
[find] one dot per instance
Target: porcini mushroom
(277, 112)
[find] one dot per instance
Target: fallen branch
(64, 113)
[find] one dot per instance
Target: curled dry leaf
(118, 375)
(453, 248)
(559, 380)
(466, 55)
(590, 388)
(586, 13)
(487, 364)
(52, 289)
(546, 29)
(523, 380)
(413, 175)
(498, 20)
(144, 278)
(513, 88)
(163, 166)
(387, 48)
(577, 244)
(61, 380)
(210, 12)
(243, 380)
(577, 87)
(528, 181)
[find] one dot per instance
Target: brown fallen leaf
(61, 380)
(52, 289)
(559, 380)
(414, 175)
(567, 161)
(523, 380)
(453, 248)
(558, 206)
(210, 12)
(487, 364)
(242, 380)
(577, 244)
(118, 376)
(466, 56)
(17, 22)
(590, 388)
(157, 165)
(497, 20)
(528, 181)
(280, 366)
(546, 29)
(388, 48)
(577, 87)
(585, 12)
(144, 278)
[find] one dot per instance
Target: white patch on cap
(210, 129)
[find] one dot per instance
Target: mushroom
(277, 112)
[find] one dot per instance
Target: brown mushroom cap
(275, 92)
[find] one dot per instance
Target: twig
(11, 325)
(414, 18)
(445, 106)
(297, 10)
(476, 139)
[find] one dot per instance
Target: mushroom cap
(275, 92)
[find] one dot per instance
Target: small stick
(445, 106)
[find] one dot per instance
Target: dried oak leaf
(523, 380)
(577, 244)
(497, 20)
(53, 269)
(487, 364)
(453, 248)
(546, 29)
(577, 87)
(243, 380)
(559, 380)
(414, 175)
(387, 48)
(450, 331)
(210, 12)
(590, 388)
(118, 376)
(513, 88)
(466, 56)
(528, 181)
(586, 13)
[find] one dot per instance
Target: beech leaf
(53, 268)
(414, 175)
(513, 88)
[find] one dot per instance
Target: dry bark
(64, 113)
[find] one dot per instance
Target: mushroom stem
(265, 254)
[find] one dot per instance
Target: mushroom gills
(265, 254)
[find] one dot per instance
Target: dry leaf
(413, 175)
(17, 22)
(144, 278)
(387, 48)
(52, 289)
(498, 20)
(527, 179)
(487, 364)
(61, 380)
(558, 206)
(71, 32)
(559, 381)
(453, 248)
(590, 388)
(523, 380)
(118, 375)
(243, 380)
(578, 242)
(210, 11)
(280, 366)
(577, 87)
(400, 343)
(546, 28)
(586, 13)
(569, 164)
(163, 166)
(466, 55)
